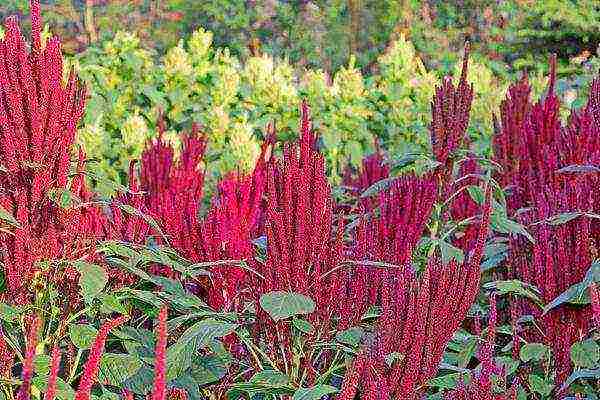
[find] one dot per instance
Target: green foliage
(233, 102)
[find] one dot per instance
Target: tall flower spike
(450, 111)
(160, 368)
(52, 379)
(27, 372)
(90, 371)
(38, 126)
(36, 25)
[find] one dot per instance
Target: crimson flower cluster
(549, 169)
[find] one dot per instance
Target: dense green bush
(195, 82)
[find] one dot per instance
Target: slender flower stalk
(90, 370)
(27, 372)
(53, 377)
(160, 368)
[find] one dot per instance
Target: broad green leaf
(476, 194)
(141, 382)
(585, 354)
(112, 303)
(115, 369)
(82, 335)
(500, 223)
(271, 377)
(467, 352)
(92, 279)
(303, 326)
(314, 393)
(8, 313)
(540, 385)
(534, 352)
(517, 287)
(62, 197)
(282, 305)
(450, 252)
(350, 336)
(448, 381)
(577, 293)
(208, 369)
(196, 337)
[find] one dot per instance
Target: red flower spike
(90, 370)
(160, 368)
(450, 109)
(27, 372)
(38, 126)
(53, 377)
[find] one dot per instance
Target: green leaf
(62, 197)
(8, 313)
(115, 369)
(265, 383)
(92, 279)
(540, 385)
(448, 381)
(534, 352)
(303, 326)
(585, 354)
(350, 336)
(563, 218)
(378, 187)
(577, 293)
(476, 194)
(8, 217)
(141, 382)
(112, 303)
(209, 369)
(196, 337)
(41, 364)
(516, 287)
(314, 393)
(467, 352)
(500, 223)
(271, 377)
(450, 252)
(282, 305)
(82, 335)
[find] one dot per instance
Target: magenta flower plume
(450, 113)
(52, 379)
(27, 372)
(90, 370)
(39, 114)
(160, 367)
